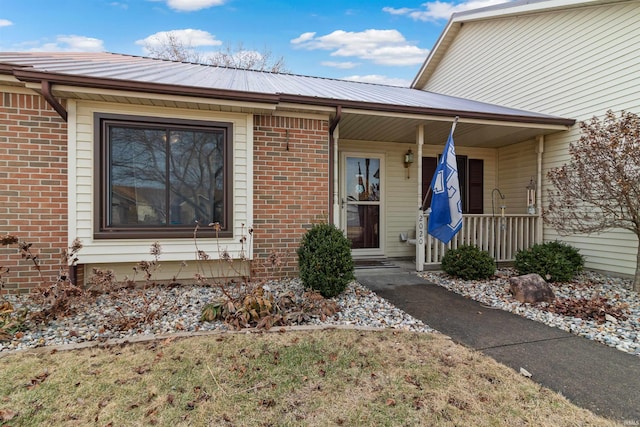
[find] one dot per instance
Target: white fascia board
(448, 33)
(525, 8)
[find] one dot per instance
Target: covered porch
(502, 183)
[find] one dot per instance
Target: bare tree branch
(171, 47)
(600, 187)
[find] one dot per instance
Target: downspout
(540, 150)
(46, 92)
(333, 168)
(48, 96)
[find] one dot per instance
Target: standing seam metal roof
(120, 69)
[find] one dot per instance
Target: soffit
(467, 134)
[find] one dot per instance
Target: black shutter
(476, 185)
(461, 164)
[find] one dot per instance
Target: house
(123, 151)
(567, 58)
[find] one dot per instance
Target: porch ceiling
(470, 133)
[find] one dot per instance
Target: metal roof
(134, 73)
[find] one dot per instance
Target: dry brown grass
(329, 377)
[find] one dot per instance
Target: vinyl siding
(568, 63)
(81, 187)
(518, 164)
(574, 63)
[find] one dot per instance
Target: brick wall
(33, 186)
(291, 187)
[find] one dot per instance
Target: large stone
(531, 288)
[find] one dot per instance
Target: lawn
(318, 377)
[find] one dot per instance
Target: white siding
(574, 63)
(517, 165)
(570, 63)
(81, 156)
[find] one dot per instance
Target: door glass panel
(363, 202)
(363, 179)
(363, 226)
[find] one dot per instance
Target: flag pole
(455, 122)
(421, 226)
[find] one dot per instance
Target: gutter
(438, 112)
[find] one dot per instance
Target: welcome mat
(361, 264)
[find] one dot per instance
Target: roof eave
(32, 76)
(429, 111)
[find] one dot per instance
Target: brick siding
(33, 186)
(291, 186)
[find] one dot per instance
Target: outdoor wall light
(408, 159)
(531, 197)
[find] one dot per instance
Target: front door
(362, 202)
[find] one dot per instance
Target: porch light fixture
(408, 159)
(531, 197)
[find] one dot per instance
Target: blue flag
(445, 219)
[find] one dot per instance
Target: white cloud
(341, 65)
(187, 37)
(435, 10)
(5, 23)
(384, 47)
(120, 5)
(304, 37)
(378, 79)
(70, 43)
(193, 5)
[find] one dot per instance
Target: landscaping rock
(531, 288)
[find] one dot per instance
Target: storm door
(362, 209)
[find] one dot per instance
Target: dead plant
(596, 308)
(134, 304)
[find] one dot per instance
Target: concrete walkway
(591, 375)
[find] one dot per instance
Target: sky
(373, 41)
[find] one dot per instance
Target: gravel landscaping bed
(181, 307)
(621, 333)
(181, 310)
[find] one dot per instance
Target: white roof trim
(524, 7)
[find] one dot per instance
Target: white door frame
(381, 203)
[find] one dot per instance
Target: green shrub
(468, 263)
(324, 260)
(554, 261)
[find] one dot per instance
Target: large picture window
(160, 177)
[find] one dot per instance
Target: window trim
(100, 190)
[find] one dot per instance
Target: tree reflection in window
(165, 177)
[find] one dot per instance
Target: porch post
(337, 219)
(539, 151)
(420, 226)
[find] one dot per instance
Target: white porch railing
(501, 236)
